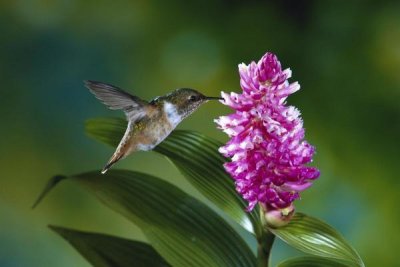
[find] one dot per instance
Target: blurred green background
(345, 54)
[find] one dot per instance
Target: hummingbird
(149, 123)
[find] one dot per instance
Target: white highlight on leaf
(318, 239)
(246, 223)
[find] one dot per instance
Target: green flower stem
(264, 243)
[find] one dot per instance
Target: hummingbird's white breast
(158, 130)
(172, 114)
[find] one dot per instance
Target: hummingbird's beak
(213, 98)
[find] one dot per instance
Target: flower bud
(278, 217)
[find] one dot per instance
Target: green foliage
(315, 237)
(195, 156)
(105, 250)
(311, 262)
(181, 229)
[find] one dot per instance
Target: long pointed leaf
(315, 237)
(181, 229)
(196, 157)
(109, 251)
(310, 261)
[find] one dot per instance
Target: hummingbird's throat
(172, 114)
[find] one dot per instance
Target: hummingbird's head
(187, 100)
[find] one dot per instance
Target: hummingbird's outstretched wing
(115, 98)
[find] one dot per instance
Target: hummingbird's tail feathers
(105, 169)
(111, 162)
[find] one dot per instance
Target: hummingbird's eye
(193, 98)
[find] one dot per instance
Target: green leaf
(197, 158)
(315, 237)
(184, 231)
(109, 251)
(310, 261)
(106, 130)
